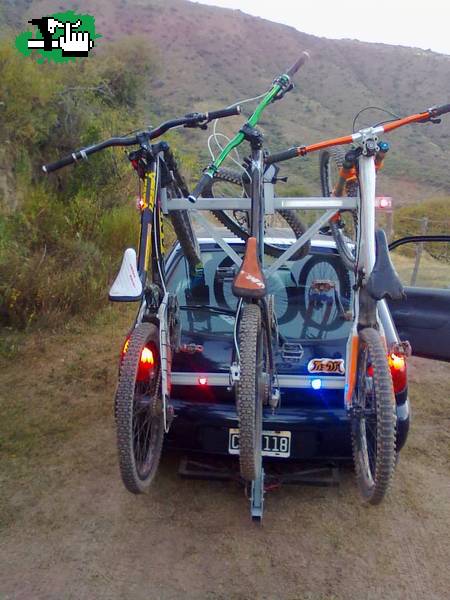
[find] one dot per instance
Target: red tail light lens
(146, 365)
(397, 365)
(146, 361)
(147, 358)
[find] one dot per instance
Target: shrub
(61, 246)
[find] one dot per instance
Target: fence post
(419, 250)
(390, 225)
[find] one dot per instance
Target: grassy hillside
(212, 56)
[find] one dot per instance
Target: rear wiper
(213, 309)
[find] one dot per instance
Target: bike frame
(365, 311)
(152, 253)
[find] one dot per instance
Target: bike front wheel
(251, 389)
(139, 409)
(373, 419)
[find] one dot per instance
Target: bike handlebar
(189, 120)
(280, 86)
(437, 111)
(225, 112)
(83, 153)
(423, 117)
(280, 156)
(296, 66)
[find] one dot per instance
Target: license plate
(274, 443)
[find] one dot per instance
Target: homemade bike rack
(193, 468)
(330, 205)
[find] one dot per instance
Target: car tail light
(146, 361)
(147, 358)
(202, 380)
(397, 365)
(146, 365)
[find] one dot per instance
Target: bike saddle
(250, 281)
(384, 281)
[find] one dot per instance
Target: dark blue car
(312, 298)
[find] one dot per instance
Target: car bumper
(316, 433)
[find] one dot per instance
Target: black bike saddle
(384, 281)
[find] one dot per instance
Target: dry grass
(431, 272)
(70, 530)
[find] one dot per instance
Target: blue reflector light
(316, 384)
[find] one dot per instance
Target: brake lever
(284, 90)
(194, 121)
(195, 125)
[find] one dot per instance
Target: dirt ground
(70, 530)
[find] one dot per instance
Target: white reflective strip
(286, 381)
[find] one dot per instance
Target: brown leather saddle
(250, 281)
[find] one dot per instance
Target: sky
(423, 24)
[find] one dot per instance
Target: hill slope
(212, 56)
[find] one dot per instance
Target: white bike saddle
(127, 286)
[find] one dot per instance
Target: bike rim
(367, 422)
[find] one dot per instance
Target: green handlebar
(280, 84)
(253, 120)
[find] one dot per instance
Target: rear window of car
(313, 296)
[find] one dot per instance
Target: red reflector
(202, 381)
(125, 346)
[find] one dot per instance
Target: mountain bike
(143, 411)
(253, 372)
(373, 344)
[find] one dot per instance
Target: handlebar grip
(62, 162)
(225, 112)
(280, 156)
(205, 179)
(437, 111)
(296, 66)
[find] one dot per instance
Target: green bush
(62, 241)
(408, 220)
(57, 259)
